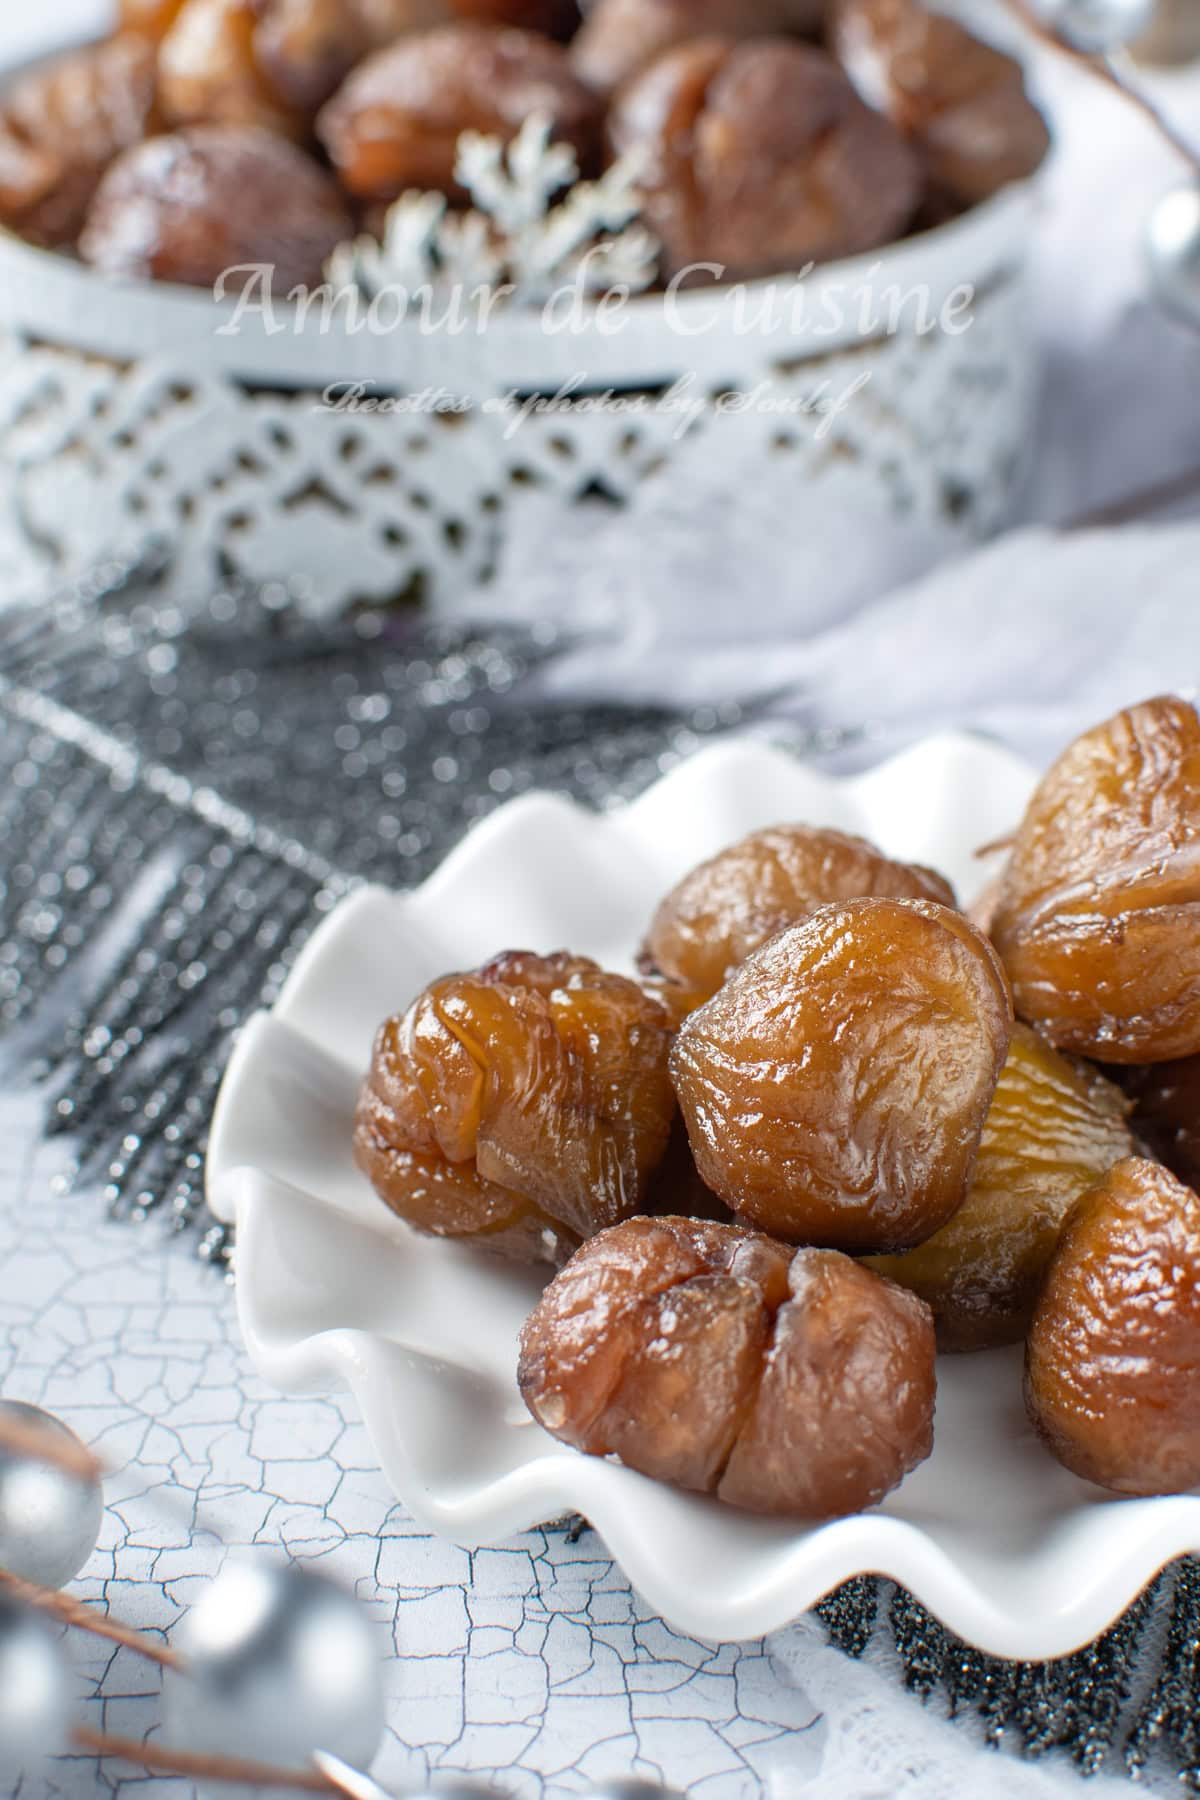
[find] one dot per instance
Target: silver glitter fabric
(182, 797)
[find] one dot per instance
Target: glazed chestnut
(760, 157)
(787, 1382)
(1112, 1365)
(1166, 1113)
(524, 1107)
(835, 1089)
(210, 72)
(961, 101)
(621, 36)
(60, 127)
(729, 906)
(395, 123)
(1098, 920)
(1053, 1129)
(190, 206)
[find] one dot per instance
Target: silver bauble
(35, 1690)
(1096, 26)
(1173, 249)
(49, 1518)
(278, 1662)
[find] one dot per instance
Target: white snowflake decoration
(518, 240)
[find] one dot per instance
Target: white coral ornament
(519, 241)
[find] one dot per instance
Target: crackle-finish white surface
(532, 1663)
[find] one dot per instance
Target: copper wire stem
(197, 1764)
(70, 1611)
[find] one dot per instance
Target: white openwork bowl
(1008, 1549)
(124, 412)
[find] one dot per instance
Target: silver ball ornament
(49, 1516)
(1173, 251)
(35, 1690)
(278, 1662)
(1096, 26)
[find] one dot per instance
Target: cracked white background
(533, 1663)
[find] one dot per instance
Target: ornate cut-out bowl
(124, 412)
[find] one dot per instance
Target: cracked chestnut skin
(523, 1107)
(1098, 919)
(960, 101)
(728, 907)
(1112, 1364)
(1053, 1129)
(791, 1382)
(395, 122)
(761, 157)
(619, 37)
(189, 206)
(835, 1089)
(60, 127)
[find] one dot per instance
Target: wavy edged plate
(1017, 1556)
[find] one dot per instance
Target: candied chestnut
(1098, 920)
(190, 206)
(1166, 1113)
(210, 72)
(525, 1106)
(788, 1382)
(1054, 1128)
(60, 127)
(396, 121)
(729, 906)
(621, 36)
(961, 101)
(835, 1089)
(760, 157)
(1112, 1365)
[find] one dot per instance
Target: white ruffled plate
(1006, 1548)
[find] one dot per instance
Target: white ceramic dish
(1006, 1548)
